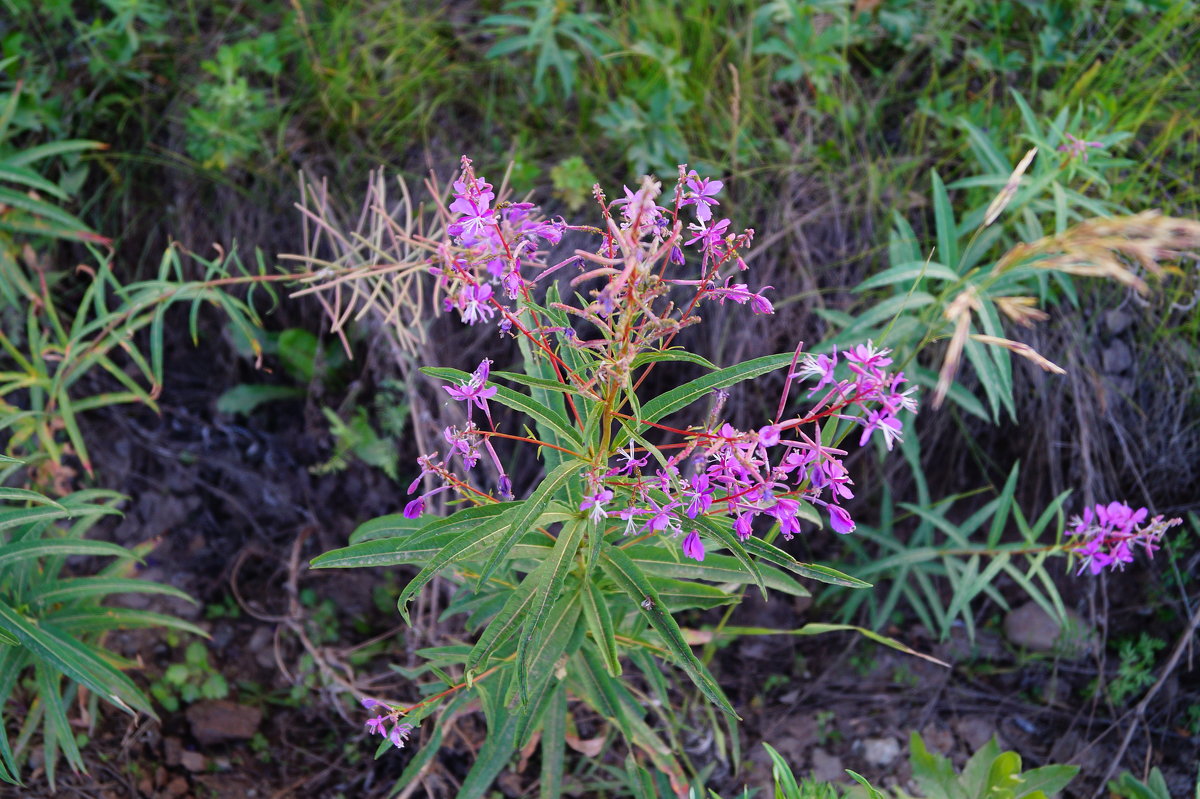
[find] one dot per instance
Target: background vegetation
(151, 156)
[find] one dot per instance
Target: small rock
(937, 738)
(1117, 322)
(221, 720)
(262, 644)
(826, 767)
(1030, 627)
(176, 787)
(880, 751)
(193, 761)
(1116, 357)
(172, 751)
(975, 731)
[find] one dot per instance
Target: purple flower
(476, 303)
(840, 521)
(399, 735)
(473, 392)
(883, 422)
(741, 526)
(1078, 148)
(709, 237)
(414, 508)
(693, 547)
(701, 193)
(596, 503)
(821, 366)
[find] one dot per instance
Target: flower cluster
(634, 279)
(771, 472)
(1110, 533)
(1078, 148)
(388, 724)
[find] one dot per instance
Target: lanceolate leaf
(825, 574)
(524, 517)
(681, 397)
(75, 660)
(551, 573)
(600, 625)
(19, 551)
(527, 405)
(718, 529)
(659, 561)
(626, 574)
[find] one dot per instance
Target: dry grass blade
(378, 266)
(958, 312)
(1009, 191)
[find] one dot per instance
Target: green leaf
(631, 579)
(550, 575)
(554, 737)
(79, 588)
(665, 562)
(680, 595)
(562, 636)
(498, 747)
(20, 551)
(600, 625)
(74, 659)
(815, 571)
(464, 545)
(723, 532)
(943, 217)
(245, 398)
(22, 495)
(689, 392)
(524, 517)
(112, 618)
(909, 270)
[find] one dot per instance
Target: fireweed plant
(630, 519)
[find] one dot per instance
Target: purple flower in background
(415, 508)
(1078, 148)
(1110, 532)
(693, 547)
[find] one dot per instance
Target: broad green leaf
(633, 581)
